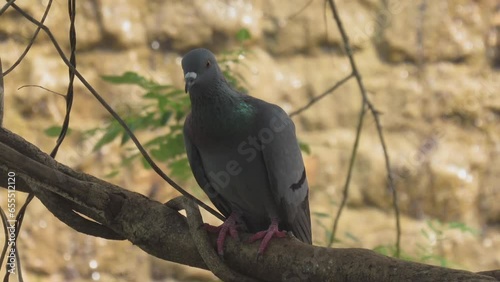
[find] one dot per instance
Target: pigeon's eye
(208, 63)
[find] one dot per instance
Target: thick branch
(163, 232)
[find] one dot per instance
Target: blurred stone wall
(430, 68)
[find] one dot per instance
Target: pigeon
(244, 154)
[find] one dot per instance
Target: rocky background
(430, 67)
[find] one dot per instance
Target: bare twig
(345, 191)
(300, 10)
(28, 47)
(323, 95)
(422, 7)
(6, 6)
(374, 112)
(70, 91)
(41, 87)
(19, 223)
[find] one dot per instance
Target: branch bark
(161, 231)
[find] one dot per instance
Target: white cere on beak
(190, 75)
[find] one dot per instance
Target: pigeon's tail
(301, 226)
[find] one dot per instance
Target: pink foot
(266, 236)
(229, 226)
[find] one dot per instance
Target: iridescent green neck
(220, 109)
(243, 109)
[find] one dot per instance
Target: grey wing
(286, 171)
(199, 174)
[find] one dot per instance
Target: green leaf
(352, 237)
(125, 78)
(91, 132)
(180, 168)
(167, 147)
(462, 227)
(175, 93)
(152, 95)
(161, 154)
(178, 127)
(153, 86)
(112, 132)
(328, 232)
(381, 249)
(155, 141)
(304, 147)
(174, 146)
(112, 173)
(165, 117)
(125, 138)
(145, 163)
(243, 35)
(55, 130)
(422, 248)
(128, 160)
(135, 79)
(321, 214)
(425, 233)
(164, 104)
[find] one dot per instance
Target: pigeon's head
(200, 69)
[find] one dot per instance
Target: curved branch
(201, 239)
(163, 232)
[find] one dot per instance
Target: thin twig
(19, 223)
(70, 91)
(422, 7)
(117, 117)
(28, 47)
(375, 114)
(299, 11)
(44, 88)
(6, 6)
(345, 191)
(317, 98)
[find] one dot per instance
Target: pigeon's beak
(189, 79)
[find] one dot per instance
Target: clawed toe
(266, 236)
(229, 226)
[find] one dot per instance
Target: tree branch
(322, 95)
(161, 231)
